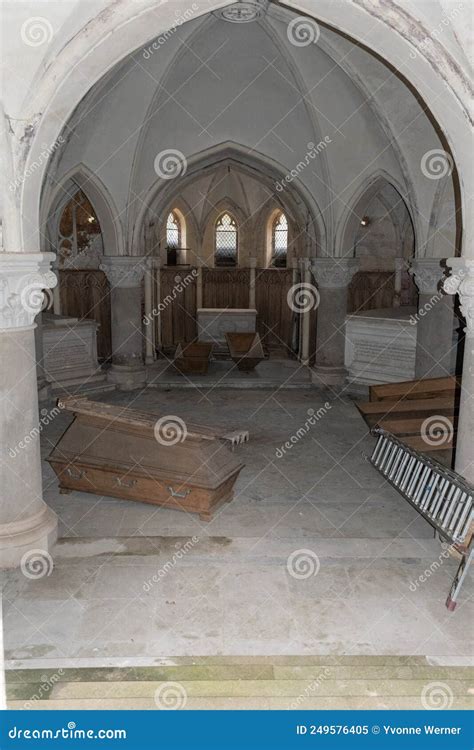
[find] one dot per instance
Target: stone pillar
(400, 265)
(434, 338)
(56, 290)
(44, 387)
(125, 274)
(461, 281)
(333, 276)
(199, 295)
(307, 304)
(26, 523)
(252, 300)
(150, 318)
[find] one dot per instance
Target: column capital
(461, 281)
(124, 271)
(334, 273)
(23, 279)
(427, 273)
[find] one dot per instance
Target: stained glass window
(279, 241)
(226, 241)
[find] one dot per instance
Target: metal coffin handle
(125, 482)
(75, 473)
(176, 493)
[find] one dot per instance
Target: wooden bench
(442, 497)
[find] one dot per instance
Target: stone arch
(68, 72)
(82, 178)
(357, 205)
(296, 198)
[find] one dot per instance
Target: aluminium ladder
(442, 497)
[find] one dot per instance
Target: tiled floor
(316, 555)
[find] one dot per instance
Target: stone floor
(315, 556)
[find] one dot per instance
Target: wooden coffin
(193, 359)
(124, 453)
(245, 349)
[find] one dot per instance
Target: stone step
(327, 688)
(235, 704)
(251, 671)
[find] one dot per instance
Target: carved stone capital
(461, 281)
(124, 272)
(427, 273)
(24, 277)
(334, 273)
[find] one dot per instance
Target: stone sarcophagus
(120, 452)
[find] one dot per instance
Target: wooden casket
(193, 359)
(124, 453)
(245, 349)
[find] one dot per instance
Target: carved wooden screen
(178, 316)
(275, 318)
(86, 294)
(226, 287)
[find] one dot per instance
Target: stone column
(27, 525)
(461, 281)
(434, 340)
(333, 276)
(56, 290)
(150, 318)
(400, 265)
(252, 300)
(125, 274)
(307, 304)
(44, 387)
(199, 295)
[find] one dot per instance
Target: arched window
(279, 241)
(173, 231)
(79, 233)
(226, 241)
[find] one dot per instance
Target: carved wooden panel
(86, 294)
(370, 290)
(226, 287)
(178, 314)
(275, 317)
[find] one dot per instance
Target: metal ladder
(438, 494)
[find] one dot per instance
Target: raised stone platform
(70, 351)
(381, 345)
